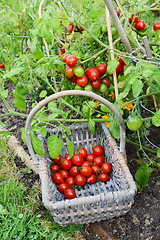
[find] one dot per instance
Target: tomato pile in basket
(81, 168)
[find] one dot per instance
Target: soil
(143, 221)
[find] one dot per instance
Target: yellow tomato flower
(128, 107)
(112, 95)
(107, 123)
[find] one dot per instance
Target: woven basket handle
(75, 93)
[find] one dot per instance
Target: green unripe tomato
(77, 87)
(88, 88)
(78, 71)
(104, 29)
(103, 88)
(106, 93)
(71, 20)
(122, 2)
(114, 31)
(134, 122)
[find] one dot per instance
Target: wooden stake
(111, 50)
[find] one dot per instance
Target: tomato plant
(134, 122)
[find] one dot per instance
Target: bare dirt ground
(143, 221)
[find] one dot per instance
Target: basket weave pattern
(94, 202)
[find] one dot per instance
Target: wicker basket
(94, 202)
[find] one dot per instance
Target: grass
(20, 214)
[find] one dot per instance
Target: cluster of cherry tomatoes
(80, 169)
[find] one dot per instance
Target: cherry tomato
(134, 122)
(118, 68)
(101, 69)
(70, 28)
(64, 173)
(68, 157)
(58, 159)
(93, 74)
(155, 7)
(66, 164)
(120, 59)
(99, 160)
(95, 169)
(69, 193)
(106, 167)
(103, 177)
(98, 150)
(70, 180)
(88, 88)
(71, 60)
(90, 157)
(156, 26)
(57, 177)
(77, 159)
(106, 81)
(55, 168)
(86, 163)
(87, 70)
(133, 17)
(103, 88)
(62, 186)
(140, 25)
(83, 152)
(82, 81)
(63, 49)
(78, 71)
(92, 179)
(86, 171)
(69, 71)
(80, 180)
(118, 13)
(74, 170)
(77, 87)
(80, 29)
(74, 79)
(65, 57)
(96, 84)
(2, 66)
(60, 53)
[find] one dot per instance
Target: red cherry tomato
(82, 81)
(83, 152)
(106, 167)
(90, 157)
(106, 81)
(140, 25)
(99, 160)
(93, 74)
(92, 179)
(69, 71)
(63, 49)
(71, 60)
(95, 169)
(60, 53)
(69, 193)
(74, 170)
(57, 177)
(70, 28)
(62, 186)
(77, 159)
(133, 17)
(70, 180)
(156, 26)
(67, 156)
(86, 163)
(86, 171)
(87, 70)
(103, 177)
(80, 180)
(118, 13)
(66, 164)
(96, 84)
(74, 79)
(58, 159)
(155, 7)
(64, 173)
(65, 57)
(101, 69)
(98, 150)
(80, 29)
(55, 168)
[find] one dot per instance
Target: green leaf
(54, 24)
(5, 133)
(54, 146)
(137, 88)
(46, 33)
(156, 119)
(2, 124)
(4, 93)
(146, 73)
(92, 104)
(158, 153)
(14, 72)
(44, 131)
(37, 144)
(23, 135)
(114, 127)
(141, 177)
(86, 111)
(112, 66)
(20, 104)
(59, 112)
(104, 108)
(52, 116)
(43, 94)
(52, 106)
(70, 148)
(92, 126)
